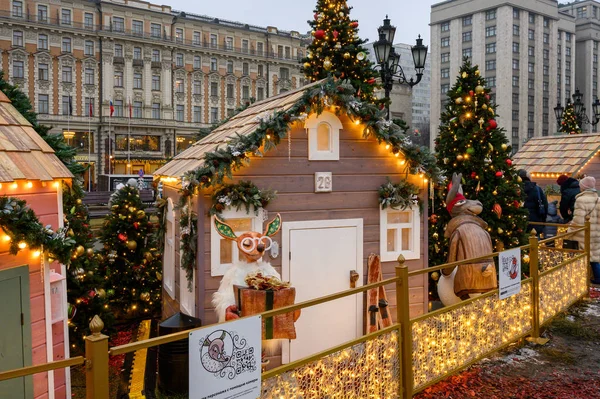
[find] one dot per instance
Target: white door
(320, 257)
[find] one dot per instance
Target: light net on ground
(562, 287)
(448, 341)
(366, 370)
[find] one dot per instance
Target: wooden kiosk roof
(243, 124)
(556, 155)
(23, 153)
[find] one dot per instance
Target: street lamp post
(579, 109)
(389, 61)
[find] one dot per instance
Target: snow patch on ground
(518, 355)
(592, 310)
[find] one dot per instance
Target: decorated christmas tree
(85, 285)
(470, 142)
(337, 50)
(568, 123)
(130, 260)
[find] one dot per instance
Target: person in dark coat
(569, 188)
(553, 217)
(535, 198)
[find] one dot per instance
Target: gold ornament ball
(341, 14)
(310, 56)
(145, 296)
(500, 231)
(435, 276)
(141, 214)
(346, 55)
(90, 252)
(479, 89)
(79, 250)
(79, 202)
(132, 209)
(101, 292)
(132, 245)
(148, 256)
(483, 106)
(327, 64)
(458, 100)
(477, 72)
(459, 157)
(465, 75)
(504, 146)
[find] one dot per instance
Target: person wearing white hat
(586, 204)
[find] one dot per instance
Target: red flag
(112, 108)
(129, 108)
(91, 109)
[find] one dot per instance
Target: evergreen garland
(399, 195)
(244, 193)
(188, 230)
(22, 226)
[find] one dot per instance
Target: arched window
(323, 137)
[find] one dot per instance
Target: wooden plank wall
(43, 201)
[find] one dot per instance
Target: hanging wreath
(401, 195)
(24, 229)
(244, 193)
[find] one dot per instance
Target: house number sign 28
(323, 182)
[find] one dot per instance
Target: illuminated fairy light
(6, 238)
(357, 122)
(56, 184)
(370, 369)
(14, 186)
(29, 184)
(36, 254)
(22, 245)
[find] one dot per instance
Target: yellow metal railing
(410, 355)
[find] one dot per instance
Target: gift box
(250, 301)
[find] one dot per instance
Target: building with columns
(168, 73)
(525, 49)
(587, 21)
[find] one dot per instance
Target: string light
(36, 254)
(29, 184)
(14, 186)
(22, 245)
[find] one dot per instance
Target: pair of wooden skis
(377, 304)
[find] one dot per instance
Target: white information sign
(510, 272)
(225, 360)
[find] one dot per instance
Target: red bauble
(492, 124)
(473, 175)
(487, 96)
(371, 81)
(316, 15)
(319, 34)
(92, 293)
(433, 218)
(516, 203)
(336, 34)
(471, 93)
(499, 173)
(136, 225)
(354, 24)
(122, 237)
(509, 162)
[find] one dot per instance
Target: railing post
(587, 243)
(403, 317)
(535, 288)
(96, 361)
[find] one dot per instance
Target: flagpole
(90, 146)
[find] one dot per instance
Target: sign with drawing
(225, 360)
(510, 272)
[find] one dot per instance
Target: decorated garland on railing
(223, 161)
(24, 229)
(400, 195)
(244, 193)
(161, 226)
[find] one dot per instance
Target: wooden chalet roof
(243, 123)
(565, 154)
(23, 153)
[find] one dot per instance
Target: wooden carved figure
(468, 239)
(252, 245)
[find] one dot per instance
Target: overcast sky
(411, 17)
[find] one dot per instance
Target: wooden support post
(403, 317)
(535, 288)
(96, 361)
(587, 243)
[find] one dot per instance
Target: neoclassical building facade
(167, 73)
